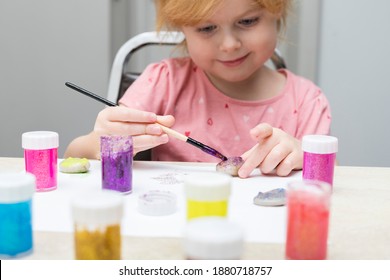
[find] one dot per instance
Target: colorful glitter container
(16, 191)
(308, 204)
(40, 156)
(207, 194)
(319, 157)
(97, 221)
(213, 238)
(117, 162)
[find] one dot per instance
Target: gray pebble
(275, 197)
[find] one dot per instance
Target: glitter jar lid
(319, 144)
(213, 238)
(157, 203)
(102, 207)
(16, 187)
(39, 140)
(116, 144)
(204, 186)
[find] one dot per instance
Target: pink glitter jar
(40, 156)
(319, 156)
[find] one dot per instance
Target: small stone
(230, 166)
(275, 197)
(74, 165)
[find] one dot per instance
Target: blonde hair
(172, 14)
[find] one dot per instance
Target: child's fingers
(245, 155)
(275, 151)
(288, 164)
(167, 120)
(145, 142)
(254, 157)
(124, 128)
(251, 161)
(126, 121)
(261, 132)
(275, 158)
(124, 114)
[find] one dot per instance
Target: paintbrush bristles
(174, 133)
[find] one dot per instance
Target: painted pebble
(230, 166)
(275, 197)
(74, 165)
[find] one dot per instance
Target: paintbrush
(167, 130)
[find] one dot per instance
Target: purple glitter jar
(117, 162)
(319, 156)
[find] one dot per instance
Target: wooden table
(359, 224)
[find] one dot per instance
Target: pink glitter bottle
(40, 156)
(319, 156)
(308, 207)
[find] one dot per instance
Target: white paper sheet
(52, 212)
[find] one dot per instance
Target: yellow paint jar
(97, 216)
(207, 194)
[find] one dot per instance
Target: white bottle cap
(319, 144)
(39, 140)
(157, 203)
(97, 208)
(207, 186)
(215, 238)
(16, 187)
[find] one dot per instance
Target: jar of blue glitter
(16, 191)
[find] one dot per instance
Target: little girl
(222, 94)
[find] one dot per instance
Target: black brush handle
(90, 94)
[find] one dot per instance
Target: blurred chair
(121, 77)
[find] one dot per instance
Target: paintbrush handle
(193, 142)
(90, 94)
(174, 133)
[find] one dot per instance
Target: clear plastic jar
(213, 238)
(207, 194)
(97, 217)
(308, 208)
(40, 155)
(16, 235)
(117, 162)
(319, 157)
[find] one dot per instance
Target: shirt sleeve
(314, 116)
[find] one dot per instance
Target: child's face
(235, 42)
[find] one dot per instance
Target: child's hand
(140, 124)
(276, 150)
